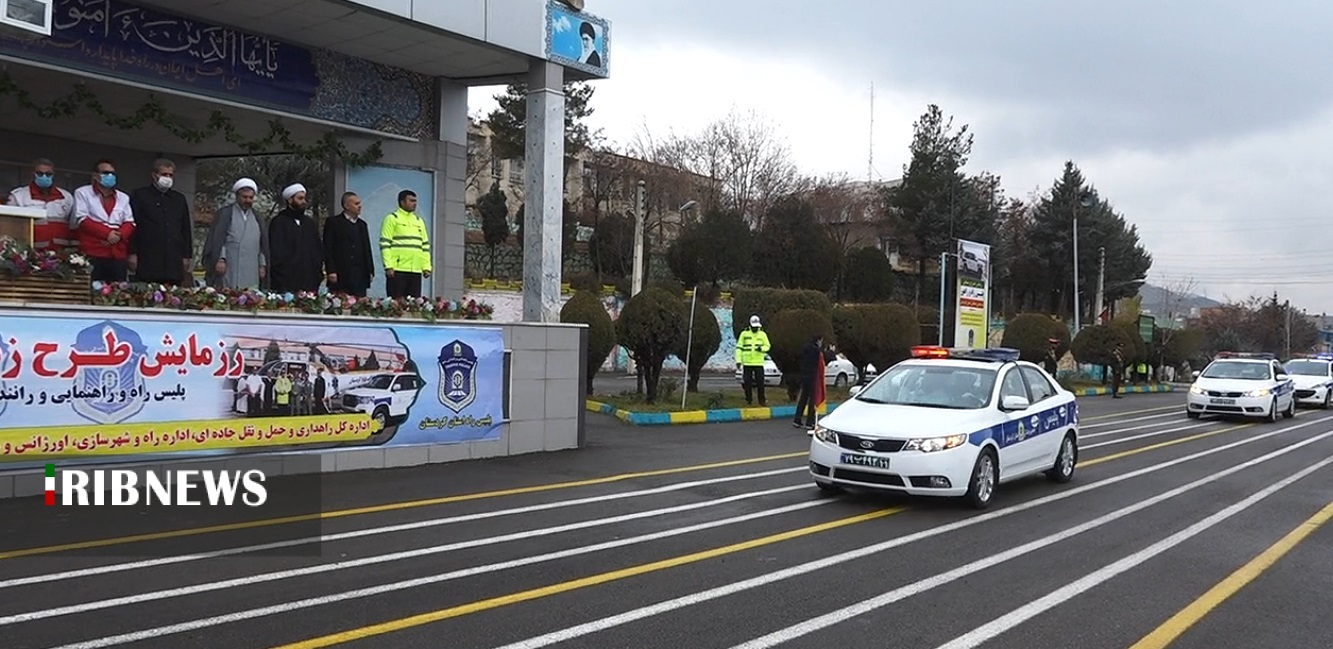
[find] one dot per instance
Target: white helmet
(754, 321)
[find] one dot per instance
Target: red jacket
(94, 224)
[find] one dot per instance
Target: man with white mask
(162, 249)
(236, 251)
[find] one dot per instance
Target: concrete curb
(778, 412)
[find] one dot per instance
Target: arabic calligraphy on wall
(124, 40)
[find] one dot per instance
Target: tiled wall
(546, 415)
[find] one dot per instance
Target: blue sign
(75, 386)
(110, 36)
(576, 39)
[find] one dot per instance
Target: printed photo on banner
(576, 38)
(88, 387)
(972, 313)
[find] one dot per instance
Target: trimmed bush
(788, 332)
(586, 308)
(882, 334)
(1136, 351)
(1095, 345)
(650, 326)
(1030, 334)
(707, 340)
(767, 302)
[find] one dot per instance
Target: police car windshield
(932, 386)
(1237, 370)
(1308, 368)
(381, 382)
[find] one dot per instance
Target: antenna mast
(870, 164)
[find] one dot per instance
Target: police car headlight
(1258, 393)
(1194, 389)
(825, 435)
(934, 444)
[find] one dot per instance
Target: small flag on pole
(50, 485)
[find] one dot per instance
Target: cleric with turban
(297, 252)
(235, 253)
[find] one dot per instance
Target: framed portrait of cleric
(577, 39)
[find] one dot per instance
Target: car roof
(1243, 360)
(955, 362)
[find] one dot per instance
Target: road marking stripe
(276, 609)
(595, 626)
(1129, 421)
(594, 580)
(1028, 611)
(369, 561)
(389, 507)
(416, 525)
(1181, 622)
(1135, 438)
(1160, 445)
(1131, 429)
(1124, 414)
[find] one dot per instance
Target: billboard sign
(972, 315)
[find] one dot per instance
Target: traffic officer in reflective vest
(751, 349)
(404, 248)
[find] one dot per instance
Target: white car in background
(1313, 378)
(951, 423)
(839, 372)
(1245, 384)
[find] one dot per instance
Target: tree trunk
(693, 384)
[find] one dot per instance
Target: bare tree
(849, 209)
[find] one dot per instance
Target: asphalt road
(745, 555)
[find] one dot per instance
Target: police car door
(1016, 448)
(1285, 388)
(1046, 413)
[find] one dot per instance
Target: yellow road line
(564, 587)
(1153, 447)
(1181, 622)
(1131, 412)
(389, 507)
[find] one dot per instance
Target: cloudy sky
(1207, 124)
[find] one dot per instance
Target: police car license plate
(1223, 402)
(871, 461)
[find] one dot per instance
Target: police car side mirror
(1014, 402)
(855, 390)
(1194, 375)
(1283, 377)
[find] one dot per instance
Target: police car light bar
(1324, 356)
(1262, 355)
(994, 354)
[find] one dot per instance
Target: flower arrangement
(140, 295)
(20, 260)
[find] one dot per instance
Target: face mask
(44, 182)
(164, 183)
(108, 180)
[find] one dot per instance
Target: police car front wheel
(985, 475)
(1063, 471)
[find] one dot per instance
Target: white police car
(1313, 378)
(949, 422)
(1244, 384)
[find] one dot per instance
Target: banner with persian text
(75, 386)
(971, 317)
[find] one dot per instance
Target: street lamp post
(1086, 201)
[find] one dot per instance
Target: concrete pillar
(544, 192)
(450, 250)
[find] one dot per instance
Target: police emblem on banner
(458, 375)
(108, 388)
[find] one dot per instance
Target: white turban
(244, 183)
(292, 190)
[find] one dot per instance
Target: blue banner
(110, 36)
(73, 386)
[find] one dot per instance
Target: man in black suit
(347, 259)
(810, 378)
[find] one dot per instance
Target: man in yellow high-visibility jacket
(751, 350)
(404, 248)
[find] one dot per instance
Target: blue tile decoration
(119, 39)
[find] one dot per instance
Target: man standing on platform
(236, 252)
(104, 222)
(42, 192)
(162, 250)
(296, 252)
(347, 254)
(405, 248)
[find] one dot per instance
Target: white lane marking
(1132, 438)
(898, 594)
(1099, 424)
(1028, 611)
(1134, 428)
(603, 624)
(369, 561)
(288, 607)
(403, 527)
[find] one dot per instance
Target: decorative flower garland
(153, 112)
(19, 260)
(141, 295)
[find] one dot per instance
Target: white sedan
(1250, 385)
(949, 422)
(839, 372)
(1313, 378)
